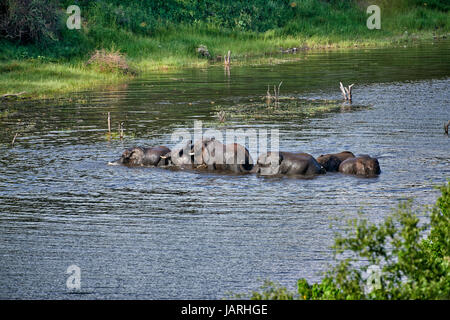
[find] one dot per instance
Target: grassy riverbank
(161, 35)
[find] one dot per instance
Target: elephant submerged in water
(182, 157)
(331, 162)
(363, 165)
(288, 163)
(140, 156)
(214, 155)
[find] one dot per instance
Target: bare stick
(446, 127)
(275, 93)
(12, 95)
(347, 96)
(14, 139)
(268, 96)
(346, 91)
(109, 122)
(121, 130)
(344, 94)
(228, 58)
(279, 88)
(222, 116)
(350, 91)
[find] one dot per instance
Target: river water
(148, 233)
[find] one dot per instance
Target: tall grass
(46, 79)
(158, 34)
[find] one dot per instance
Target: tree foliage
(30, 20)
(41, 20)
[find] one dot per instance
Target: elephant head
(363, 165)
(139, 156)
(181, 157)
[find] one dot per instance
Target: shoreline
(56, 79)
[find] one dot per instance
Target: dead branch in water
(14, 139)
(12, 95)
(222, 116)
(109, 123)
(344, 95)
(227, 59)
(277, 93)
(346, 91)
(268, 95)
(121, 130)
(446, 127)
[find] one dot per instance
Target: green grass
(49, 79)
(59, 67)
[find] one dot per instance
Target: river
(150, 233)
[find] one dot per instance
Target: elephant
(288, 163)
(213, 155)
(362, 165)
(332, 161)
(183, 157)
(139, 156)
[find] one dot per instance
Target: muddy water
(158, 234)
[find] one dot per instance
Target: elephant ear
(136, 153)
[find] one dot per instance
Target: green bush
(147, 15)
(36, 21)
(442, 5)
(272, 291)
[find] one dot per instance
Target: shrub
(26, 21)
(442, 5)
(272, 291)
(110, 61)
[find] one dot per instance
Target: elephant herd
(211, 155)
